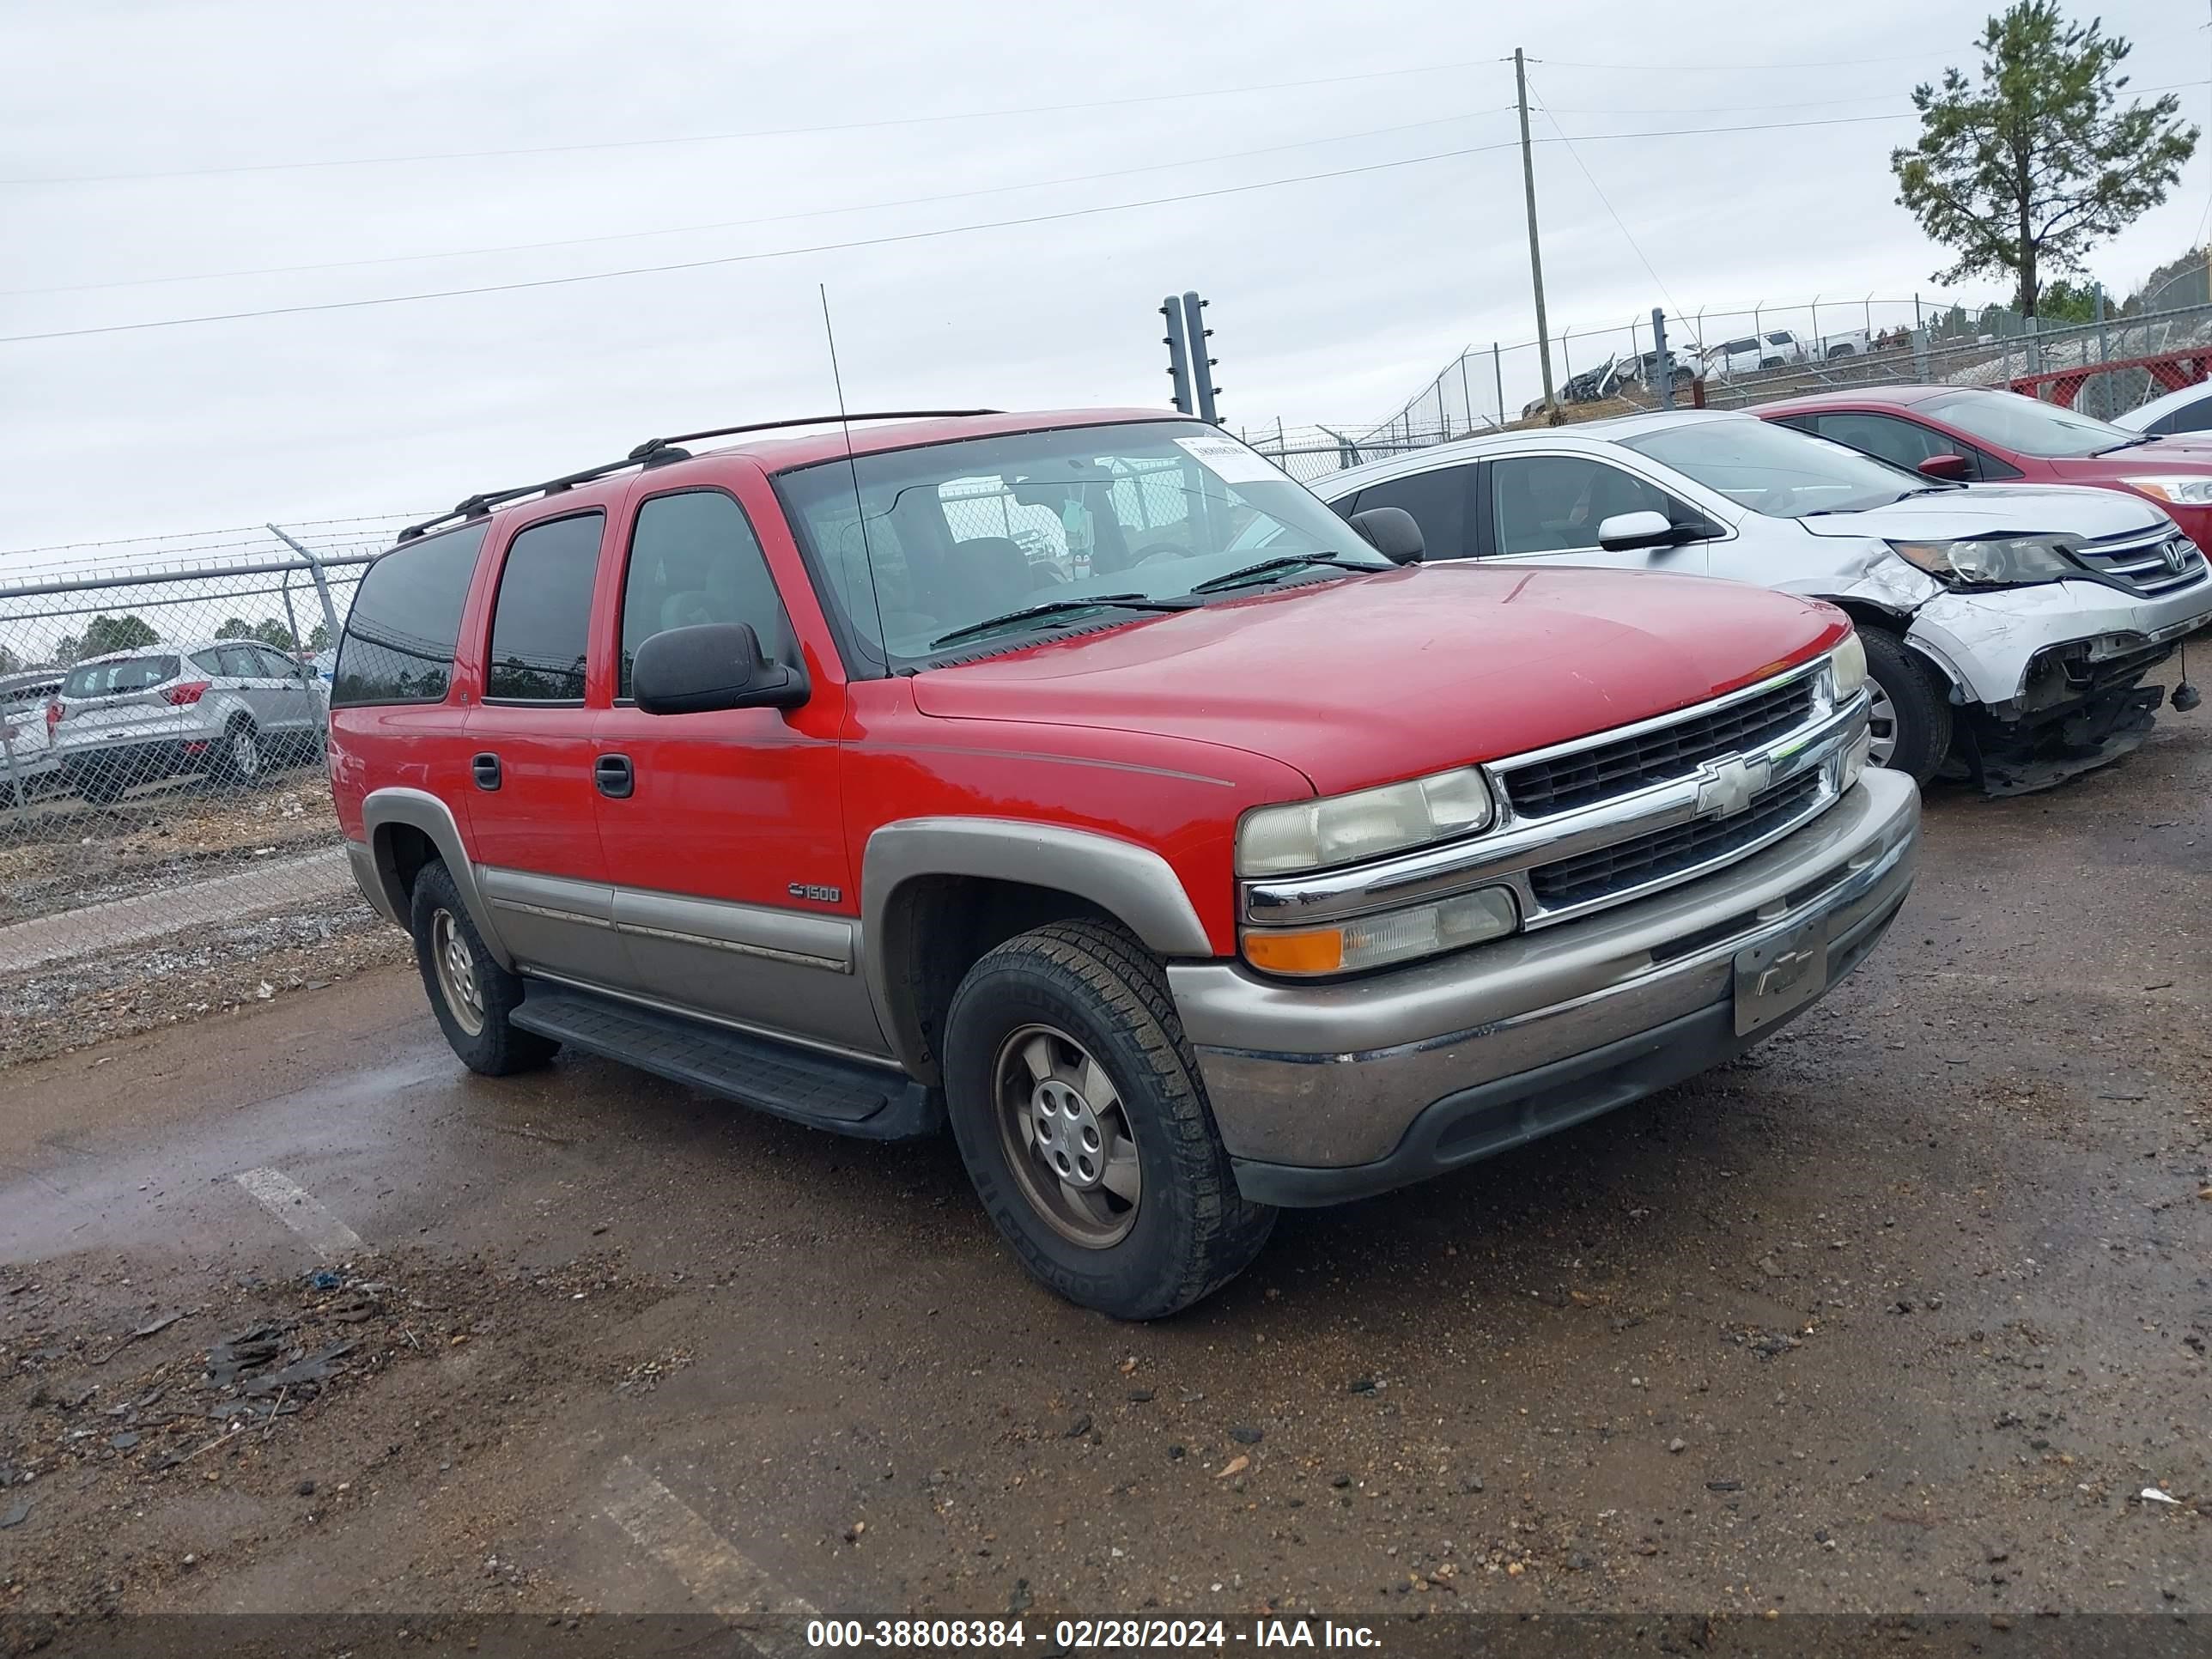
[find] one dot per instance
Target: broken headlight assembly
(1993, 560)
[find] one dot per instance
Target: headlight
(1994, 562)
(1312, 834)
(1421, 930)
(2175, 487)
(1847, 667)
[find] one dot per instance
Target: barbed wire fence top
(163, 701)
(1746, 355)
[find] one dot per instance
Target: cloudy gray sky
(151, 169)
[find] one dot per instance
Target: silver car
(228, 708)
(26, 750)
(2008, 627)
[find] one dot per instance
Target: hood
(1367, 679)
(2188, 453)
(1998, 510)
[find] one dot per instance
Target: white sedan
(2189, 409)
(2009, 628)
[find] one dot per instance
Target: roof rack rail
(659, 452)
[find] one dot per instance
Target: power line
(1629, 234)
(1730, 64)
(886, 241)
(735, 224)
(724, 138)
(743, 258)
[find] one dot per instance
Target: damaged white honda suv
(2009, 628)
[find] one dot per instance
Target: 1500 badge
(807, 890)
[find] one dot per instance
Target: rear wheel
(1083, 1121)
(241, 759)
(471, 994)
(1910, 720)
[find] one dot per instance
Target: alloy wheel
(1881, 726)
(457, 972)
(1067, 1137)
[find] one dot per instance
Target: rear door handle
(485, 769)
(614, 776)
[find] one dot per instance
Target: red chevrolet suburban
(1081, 779)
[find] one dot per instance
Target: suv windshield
(106, 679)
(1774, 471)
(956, 534)
(2008, 421)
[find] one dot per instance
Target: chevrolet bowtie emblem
(1728, 787)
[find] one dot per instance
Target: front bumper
(1329, 1092)
(1988, 642)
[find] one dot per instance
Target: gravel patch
(64, 854)
(88, 1000)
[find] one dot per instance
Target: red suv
(1976, 434)
(1082, 780)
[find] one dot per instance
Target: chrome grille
(1648, 858)
(2152, 561)
(1662, 814)
(1675, 750)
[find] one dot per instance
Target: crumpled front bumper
(1329, 1092)
(1989, 641)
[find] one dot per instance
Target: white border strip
(300, 1211)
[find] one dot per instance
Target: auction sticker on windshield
(1229, 461)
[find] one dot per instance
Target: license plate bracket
(1780, 975)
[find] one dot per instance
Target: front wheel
(1910, 720)
(1082, 1119)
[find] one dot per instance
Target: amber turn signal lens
(1320, 952)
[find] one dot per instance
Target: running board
(841, 1096)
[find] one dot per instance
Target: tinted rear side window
(107, 679)
(399, 643)
(542, 617)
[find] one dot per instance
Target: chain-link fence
(1737, 358)
(162, 707)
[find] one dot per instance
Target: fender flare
(383, 810)
(1130, 882)
(1901, 622)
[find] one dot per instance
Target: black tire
(1918, 711)
(497, 1047)
(1191, 1231)
(242, 761)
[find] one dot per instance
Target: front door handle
(485, 768)
(614, 776)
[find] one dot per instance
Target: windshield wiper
(2132, 443)
(1282, 562)
(1061, 608)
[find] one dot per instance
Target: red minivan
(1081, 780)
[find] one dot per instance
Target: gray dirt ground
(1902, 1313)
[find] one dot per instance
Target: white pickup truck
(1780, 347)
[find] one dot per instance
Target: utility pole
(1536, 255)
